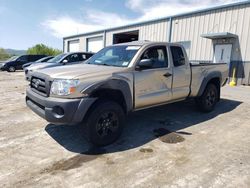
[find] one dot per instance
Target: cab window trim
(172, 56)
(158, 68)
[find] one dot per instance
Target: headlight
(63, 87)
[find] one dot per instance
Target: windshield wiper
(103, 64)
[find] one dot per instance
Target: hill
(15, 52)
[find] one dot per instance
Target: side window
(158, 55)
(88, 56)
(178, 56)
(82, 57)
(34, 57)
(73, 58)
(23, 58)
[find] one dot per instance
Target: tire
(11, 69)
(104, 123)
(208, 100)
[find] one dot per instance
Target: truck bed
(202, 71)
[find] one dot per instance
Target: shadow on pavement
(141, 127)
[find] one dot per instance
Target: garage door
(94, 44)
(73, 46)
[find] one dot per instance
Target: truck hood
(36, 66)
(80, 71)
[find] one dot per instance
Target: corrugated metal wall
(155, 31)
(188, 29)
(235, 20)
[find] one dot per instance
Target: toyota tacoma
(120, 79)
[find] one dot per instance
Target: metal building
(218, 34)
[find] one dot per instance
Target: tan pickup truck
(120, 79)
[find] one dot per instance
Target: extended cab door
(181, 73)
(153, 85)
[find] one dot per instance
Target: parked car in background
(44, 59)
(61, 59)
(120, 79)
(16, 62)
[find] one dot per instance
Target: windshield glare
(56, 59)
(40, 60)
(13, 58)
(119, 56)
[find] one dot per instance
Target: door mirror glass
(145, 64)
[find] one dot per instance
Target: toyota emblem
(37, 83)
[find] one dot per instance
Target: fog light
(58, 112)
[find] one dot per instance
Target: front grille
(38, 85)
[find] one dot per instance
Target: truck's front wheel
(105, 123)
(207, 101)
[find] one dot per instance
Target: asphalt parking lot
(169, 146)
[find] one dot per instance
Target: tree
(3, 54)
(42, 49)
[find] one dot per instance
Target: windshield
(13, 58)
(41, 60)
(56, 59)
(119, 56)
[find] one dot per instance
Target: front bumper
(57, 110)
(2, 68)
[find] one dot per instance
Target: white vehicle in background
(59, 60)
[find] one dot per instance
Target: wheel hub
(107, 124)
(210, 98)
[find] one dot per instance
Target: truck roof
(142, 43)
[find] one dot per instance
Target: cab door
(153, 84)
(181, 73)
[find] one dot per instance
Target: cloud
(147, 9)
(64, 26)
(150, 9)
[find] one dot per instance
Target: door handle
(167, 74)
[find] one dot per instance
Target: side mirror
(145, 64)
(65, 61)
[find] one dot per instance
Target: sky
(24, 23)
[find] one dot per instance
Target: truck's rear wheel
(207, 101)
(105, 123)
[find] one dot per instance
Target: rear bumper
(57, 110)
